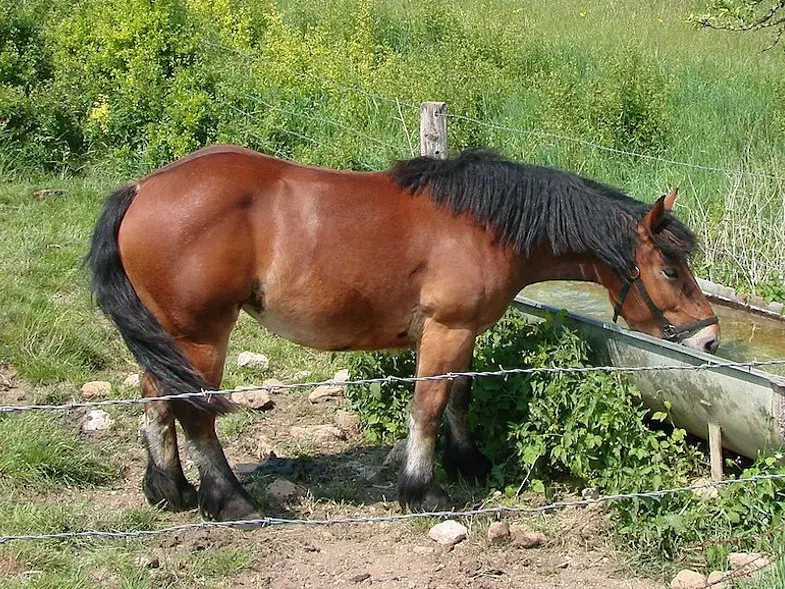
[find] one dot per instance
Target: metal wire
(502, 372)
(304, 75)
(336, 124)
(613, 149)
(500, 511)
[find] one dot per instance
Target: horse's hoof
(237, 506)
(469, 462)
(172, 493)
(423, 497)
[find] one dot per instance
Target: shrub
(588, 428)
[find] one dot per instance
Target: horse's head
(661, 297)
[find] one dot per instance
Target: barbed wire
(600, 147)
(336, 124)
(502, 372)
(312, 140)
(498, 511)
(314, 77)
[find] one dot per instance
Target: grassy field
(128, 88)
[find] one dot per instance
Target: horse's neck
(571, 267)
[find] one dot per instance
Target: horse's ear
(657, 211)
(670, 200)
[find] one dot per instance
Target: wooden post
(433, 129)
(715, 451)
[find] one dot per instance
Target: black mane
(531, 205)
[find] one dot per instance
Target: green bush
(588, 428)
(577, 430)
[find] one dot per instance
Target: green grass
(37, 451)
(628, 75)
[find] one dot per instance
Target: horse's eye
(670, 273)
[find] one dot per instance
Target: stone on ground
(253, 399)
(253, 360)
(275, 385)
(715, 580)
(96, 421)
(324, 393)
(749, 562)
(341, 375)
(525, 537)
(498, 533)
(96, 388)
(687, 579)
(302, 375)
(347, 421)
(282, 491)
(132, 381)
(448, 533)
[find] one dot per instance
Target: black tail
(152, 346)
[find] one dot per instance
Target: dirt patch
(333, 476)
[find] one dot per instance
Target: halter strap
(670, 332)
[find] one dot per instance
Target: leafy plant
(585, 427)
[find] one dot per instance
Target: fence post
(433, 129)
(715, 451)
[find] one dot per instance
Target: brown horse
(428, 253)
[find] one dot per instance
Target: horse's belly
(342, 329)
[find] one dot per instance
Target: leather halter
(670, 331)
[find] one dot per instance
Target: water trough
(746, 405)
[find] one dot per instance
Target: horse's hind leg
(460, 451)
(164, 483)
(221, 496)
(441, 350)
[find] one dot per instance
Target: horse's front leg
(460, 452)
(441, 349)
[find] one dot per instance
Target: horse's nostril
(711, 345)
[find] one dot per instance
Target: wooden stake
(715, 451)
(433, 129)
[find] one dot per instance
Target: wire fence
(492, 512)
(497, 512)
(496, 126)
(502, 372)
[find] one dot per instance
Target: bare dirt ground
(332, 476)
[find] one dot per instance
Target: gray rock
(325, 393)
(341, 375)
(347, 421)
(750, 562)
(715, 580)
(275, 386)
(687, 579)
(96, 388)
(525, 537)
(282, 491)
(302, 375)
(96, 421)
(252, 360)
(448, 533)
(132, 381)
(253, 399)
(498, 533)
